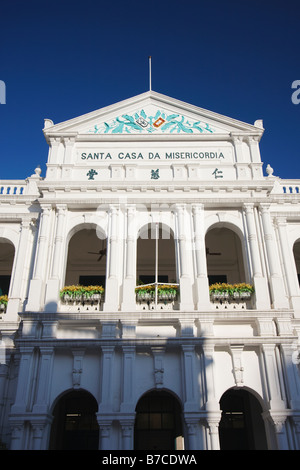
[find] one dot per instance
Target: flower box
(165, 292)
(231, 292)
(82, 294)
(3, 303)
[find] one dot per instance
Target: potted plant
(3, 302)
(221, 291)
(165, 292)
(244, 290)
(81, 293)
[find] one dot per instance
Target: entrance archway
(75, 426)
(158, 424)
(241, 426)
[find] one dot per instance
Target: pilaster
(129, 281)
(54, 283)
(37, 284)
(202, 288)
(279, 296)
(112, 284)
(259, 281)
(186, 293)
(289, 265)
(15, 295)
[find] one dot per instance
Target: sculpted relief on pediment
(152, 121)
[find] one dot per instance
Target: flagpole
(150, 77)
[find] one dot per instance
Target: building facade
(153, 287)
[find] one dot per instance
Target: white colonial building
(154, 200)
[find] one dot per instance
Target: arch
(86, 255)
(77, 225)
(146, 254)
(74, 425)
(226, 257)
(296, 254)
(158, 422)
(7, 256)
(242, 426)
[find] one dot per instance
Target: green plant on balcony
(224, 291)
(3, 302)
(165, 292)
(81, 293)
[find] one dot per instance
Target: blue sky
(61, 59)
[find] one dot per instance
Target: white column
(213, 428)
(43, 386)
(256, 163)
(23, 392)
(54, 283)
(212, 406)
(127, 405)
(4, 375)
(69, 144)
(18, 433)
(37, 284)
(209, 361)
(106, 380)
(272, 377)
(40, 430)
(112, 285)
(188, 378)
(192, 425)
(105, 433)
(289, 265)
(259, 281)
(280, 430)
(279, 295)
(127, 427)
(202, 286)
(186, 292)
(15, 294)
(291, 374)
(129, 282)
(242, 161)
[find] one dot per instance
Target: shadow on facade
(159, 420)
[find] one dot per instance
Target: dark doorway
(241, 426)
(158, 424)
(75, 425)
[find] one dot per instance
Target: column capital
(264, 207)
(199, 207)
(61, 207)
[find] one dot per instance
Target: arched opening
(7, 253)
(224, 254)
(74, 425)
(157, 284)
(158, 423)
(241, 426)
(146, 254)
(86, 261)
(296, 251)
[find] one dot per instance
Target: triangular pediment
(149, 114)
